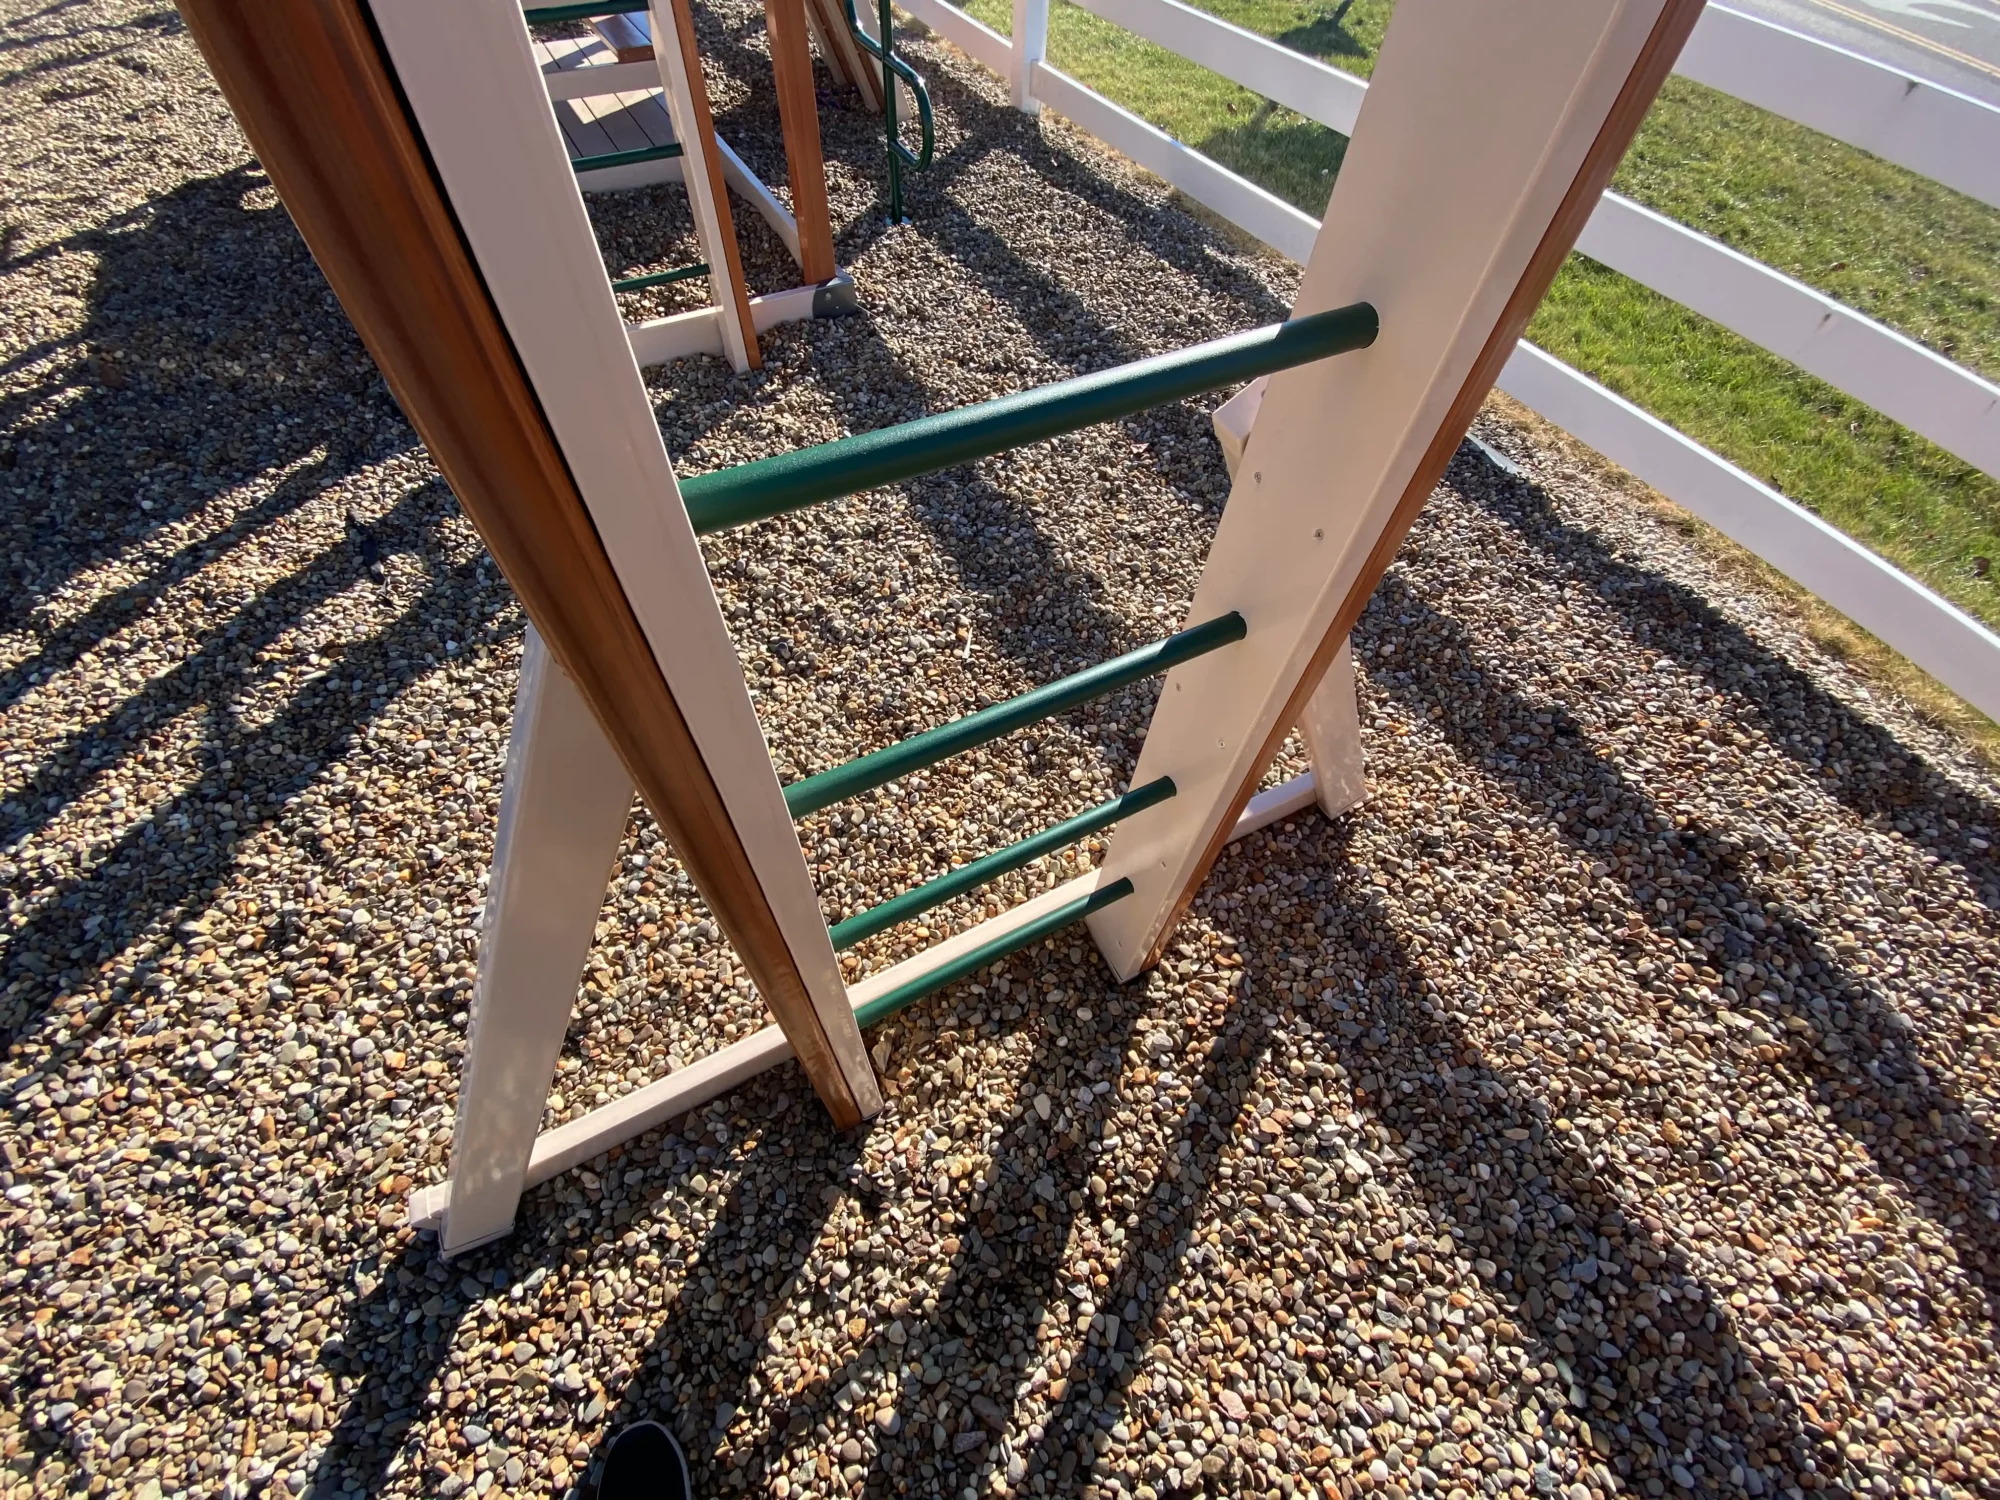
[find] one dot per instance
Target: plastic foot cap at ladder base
(788, 481)
(884, 1006)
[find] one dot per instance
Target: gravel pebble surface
(1605, 1107)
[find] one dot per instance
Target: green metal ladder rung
(991, 867)
(885, 1005)
(933, 745)
(789, 481)
(610, 159)
(660, 278)
(550, 15)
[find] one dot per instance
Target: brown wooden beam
(315, 95)
(798, 111)
(711, 163)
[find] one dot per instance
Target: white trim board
(709, 1078)
(1947, 403)
(1304, 84)
(974, 38)
(1946, 136)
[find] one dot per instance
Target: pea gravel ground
(1607, 1107)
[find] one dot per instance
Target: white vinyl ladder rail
(1935, 131)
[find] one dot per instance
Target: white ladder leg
(686, 97)
(1486, 137)
(562, 813)
(1331, 722)
(1331, 725)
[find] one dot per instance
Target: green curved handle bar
(910, 76)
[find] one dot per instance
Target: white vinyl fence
(1937, 132)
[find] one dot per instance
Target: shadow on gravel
(1863, 764)
(201, 300)
(186, 849)
(1839, 1036)
(1552, 1238)
(702, 1367)
(164, 22)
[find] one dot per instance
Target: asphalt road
(1952, 42)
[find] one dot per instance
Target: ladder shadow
(1579, 1213)
(180, 854)
(1857, 1053)
(1575, 1236)
(1679, 624)
(699, 1394)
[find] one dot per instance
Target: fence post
(1031, 45)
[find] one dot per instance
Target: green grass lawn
(1918, 257)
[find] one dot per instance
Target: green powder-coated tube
(992, 866)
(933, 745)
(660, 278)
(884, 1006)
(788, 481)
(549, 15)
(627, 158)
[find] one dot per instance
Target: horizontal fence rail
(1925, 127)
(788, 481)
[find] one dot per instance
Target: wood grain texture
(843, 55)
(312, 90)
(711, 164)
(798, 112)
(626, 36)
(1642, 84)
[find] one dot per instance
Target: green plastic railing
(992, 866)
(894, 67)
(933, 745)
(660, 278)
(789, 481)
(549, 15)
(626, 158)
(886, 1005)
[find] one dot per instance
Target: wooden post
(563, 810)
(844, 57)
(1487, 134)
(798, 111)
(686, 96)
(313, 91)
